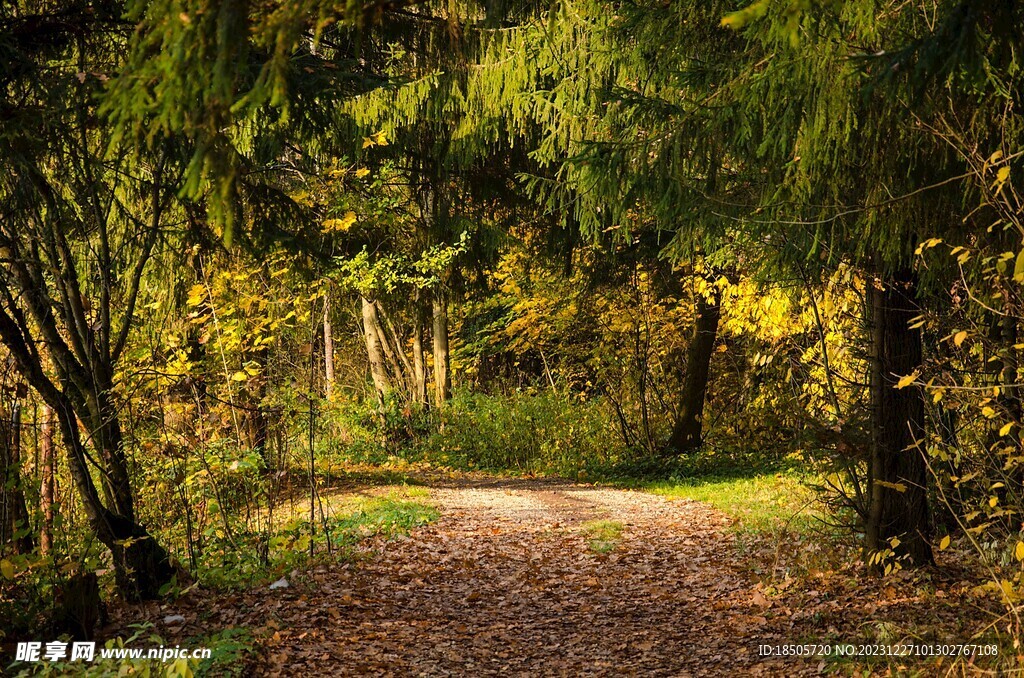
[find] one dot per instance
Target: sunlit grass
(340, 503)
(383, 516)
(759, 503)
(603, 535)
(346, 519)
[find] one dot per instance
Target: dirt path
(506, 582)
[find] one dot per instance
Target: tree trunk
(392, 342)
(46, 488)
(328, 350)
(108, 440)
(898, 475)
(687, 434)
(141, 565)
(374, 351)
(442, 379)
(418, 358)
(13, 511)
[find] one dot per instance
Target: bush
(527, 432)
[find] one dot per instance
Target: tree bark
(46, 488)
(141, 565)
(418, 358)
(688, 431)
(374, 351)
(898, 507)
(328, 350)
(442, 378)
(13, 511)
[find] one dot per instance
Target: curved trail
(505, 583)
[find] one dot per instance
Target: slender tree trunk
(13, 511)
(392, 342)
(442, 379)
(374, 351)
(898, 506)
(687, 434)
(328, 350)
(46, 488)
(418, 358)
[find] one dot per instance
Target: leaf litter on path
(507, 582)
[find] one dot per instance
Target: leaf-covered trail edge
(508, 581)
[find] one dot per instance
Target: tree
(79, 226)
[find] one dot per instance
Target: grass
(350, 518)
(603, 535)
(381, 516)
(759, 503)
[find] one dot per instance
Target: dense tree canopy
(244, 245)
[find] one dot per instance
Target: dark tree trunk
(13, 511)
(141, 565)
(687, 434)
(418, 357)
(898, 506)
(109, 441)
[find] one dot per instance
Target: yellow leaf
(1018, 552)
(906, 381)
(362, 172)
(944, 544)
(337, 225)
(1005, 430)
(7, 569)
(239, 376)
(959, 337)
(992, 501)
(1001, 176)
(1018, 267)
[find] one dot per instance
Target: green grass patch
(603, 535)
(759, 503)
(256, 558)
(381, 516)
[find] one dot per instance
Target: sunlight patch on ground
(757, 503)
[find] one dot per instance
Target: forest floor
(549, 577)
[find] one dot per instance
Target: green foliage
(533, 431)
(141, 636)
(286, 546)
(232, 653)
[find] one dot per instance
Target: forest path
(508, 581)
